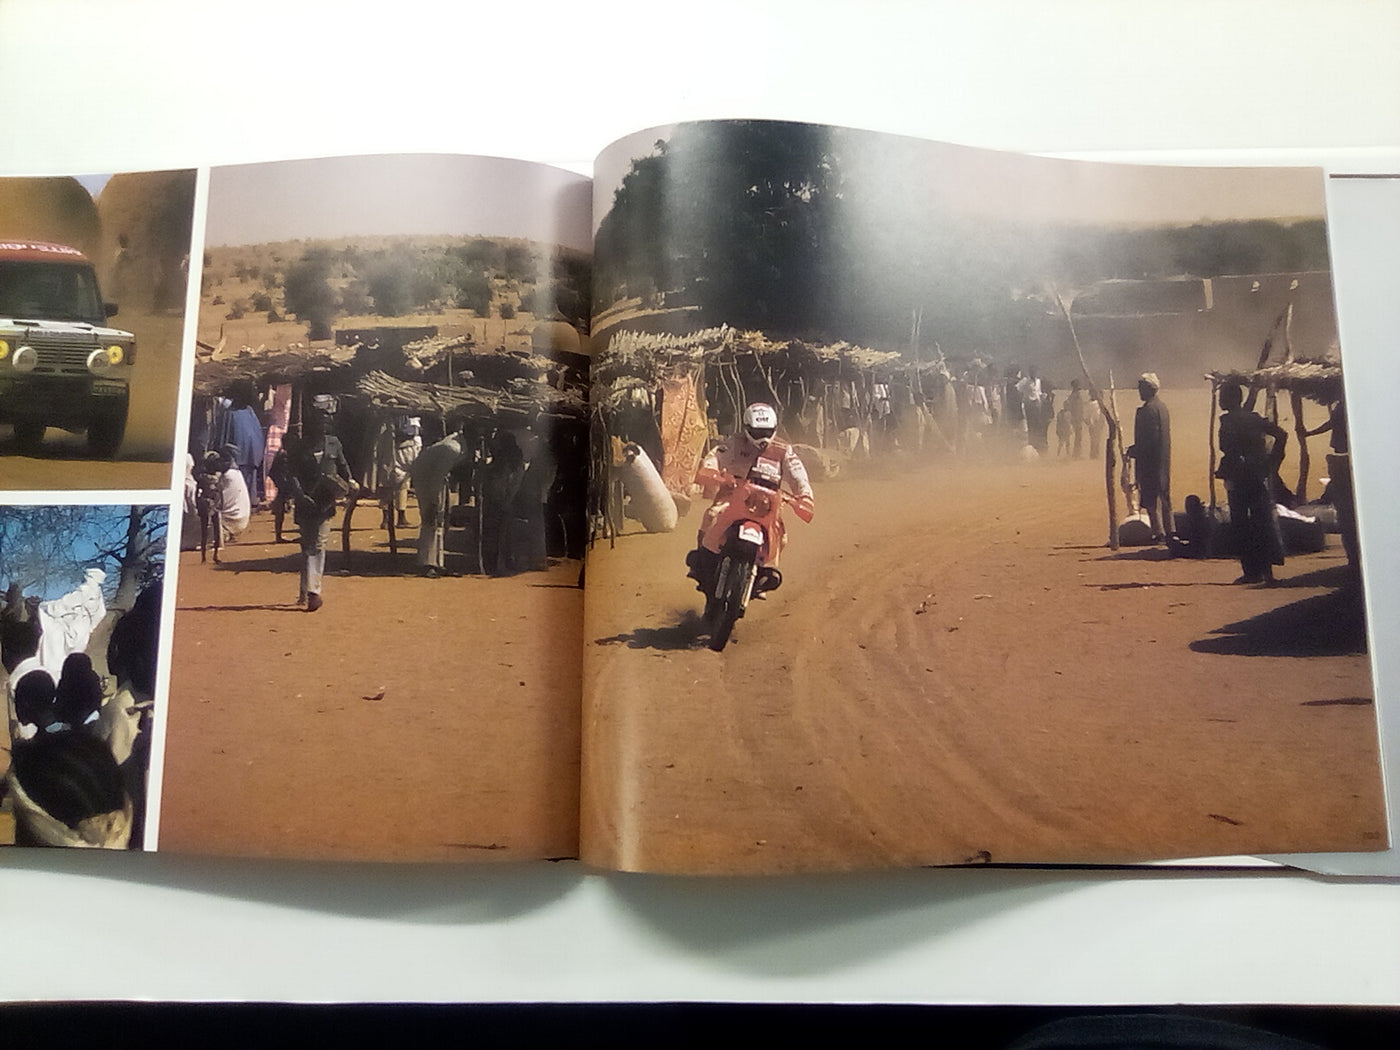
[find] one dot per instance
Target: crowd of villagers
(494, 488)
(674, 395)
(837, 402)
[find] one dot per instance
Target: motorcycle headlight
(758, 503)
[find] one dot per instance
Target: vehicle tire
(29, 437)
(105, 433)
(738, 579)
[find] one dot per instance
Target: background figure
(189, 520)
(501, 478)
(279, 420)
(1248, 463)
(1152, 451)
(396, 449)
(526, 551)
(317, 476)
(1045, 415)
(1079, 405)
(429, 472)
(242, 430)
(235, 500)
(1098, 431)
(280, 472)
(1196, 538)
(78, 694)
(1064, 430)
(1339, 491)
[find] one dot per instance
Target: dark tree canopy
(308, 293)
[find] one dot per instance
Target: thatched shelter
(671, 394)
(447, 382)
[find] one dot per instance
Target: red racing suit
(736, 456)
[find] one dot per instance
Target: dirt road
(408, 719)
(956, 669)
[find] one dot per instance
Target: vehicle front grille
(63, 355)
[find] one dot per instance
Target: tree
(740, 213)
(46, 550)
(474, 293)
(308, 293)
(390, 285)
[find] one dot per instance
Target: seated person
(234, 502)
(1196, 537)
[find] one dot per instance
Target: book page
(378, 502)
(93, 275)
(1081, 584)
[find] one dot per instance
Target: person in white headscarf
(1151, 451)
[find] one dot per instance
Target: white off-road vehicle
(60, 365)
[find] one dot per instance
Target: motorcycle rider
(736, 456)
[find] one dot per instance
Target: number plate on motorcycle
(751, 534)
(767, 470)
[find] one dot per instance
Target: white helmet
(760, 421)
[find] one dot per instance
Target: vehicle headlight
(116, 354)
(4, 349)
(25, 359)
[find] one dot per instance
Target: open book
(938, 506)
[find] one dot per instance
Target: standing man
(243, 431)
(429, 471)
(317, 475)
(1339, 488)
(501, 477)
(1079, 406)
(397, 447)
(1152, 451)
(1251, 449)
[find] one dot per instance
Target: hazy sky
(404, 194)
(1019, 186)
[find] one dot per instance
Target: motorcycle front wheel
(736, 573)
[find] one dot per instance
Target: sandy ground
(143, 461)
(408, 719)
(958, 670)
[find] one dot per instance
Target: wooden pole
(1304, 459)
(1296, 400)
(1110, 417)
(1126, 480)
(1214, 412)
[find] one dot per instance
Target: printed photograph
(93, 276)
(384, 514)
(958, 507)
(79, 638)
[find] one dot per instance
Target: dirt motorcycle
(729, 565)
